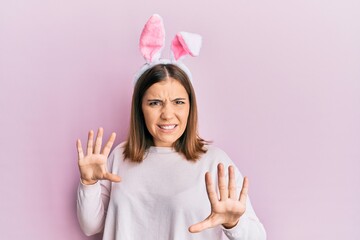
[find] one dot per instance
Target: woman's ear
(152, 39)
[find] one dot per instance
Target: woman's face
(166, 109)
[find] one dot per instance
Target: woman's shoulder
(214, 156)
(120, 145)
(118, 150)
(216, 152)
(217, 155)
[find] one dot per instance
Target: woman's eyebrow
(154, 99)
(177, 99)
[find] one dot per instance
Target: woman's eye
(155, 103)
(180, 102)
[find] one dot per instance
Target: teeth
(167, 127)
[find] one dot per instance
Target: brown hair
(139, 138)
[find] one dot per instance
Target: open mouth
(167, 126)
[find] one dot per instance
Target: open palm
(93, 166)
(229, 208)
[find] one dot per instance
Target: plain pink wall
(277, 84)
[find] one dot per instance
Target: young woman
(164, 182)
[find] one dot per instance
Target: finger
(98, 141)
(232, 184)
(198, 227)
(90, 142)
(210, 189)
(79, 149)
(222, 183)
(244, 191)
(112, 177)
(109, 144)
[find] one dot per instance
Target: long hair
(139, 138)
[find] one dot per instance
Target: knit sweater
(159, 199)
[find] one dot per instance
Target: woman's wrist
(88, 182)
(230, 225)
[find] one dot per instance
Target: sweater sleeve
(246, 229)
(92, 203)
(249, 227)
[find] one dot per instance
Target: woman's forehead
(170, 87)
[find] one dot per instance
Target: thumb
(112, 177)
(201, 226)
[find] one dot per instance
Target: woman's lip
(167, 126)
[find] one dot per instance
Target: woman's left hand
(229, 208)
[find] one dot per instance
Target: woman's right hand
(93, 166)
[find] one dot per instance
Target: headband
(152, 41)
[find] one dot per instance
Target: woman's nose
(167, 111)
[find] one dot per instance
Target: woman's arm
(92, 202)
(95, 183)
(249, 226)
(230, 204)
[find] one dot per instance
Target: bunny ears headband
(152, 41)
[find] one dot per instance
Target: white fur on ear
(185, 43)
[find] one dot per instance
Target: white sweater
(159, 199)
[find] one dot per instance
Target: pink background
(277, 84)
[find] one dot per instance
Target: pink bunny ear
(186, 43)
(152, 38)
